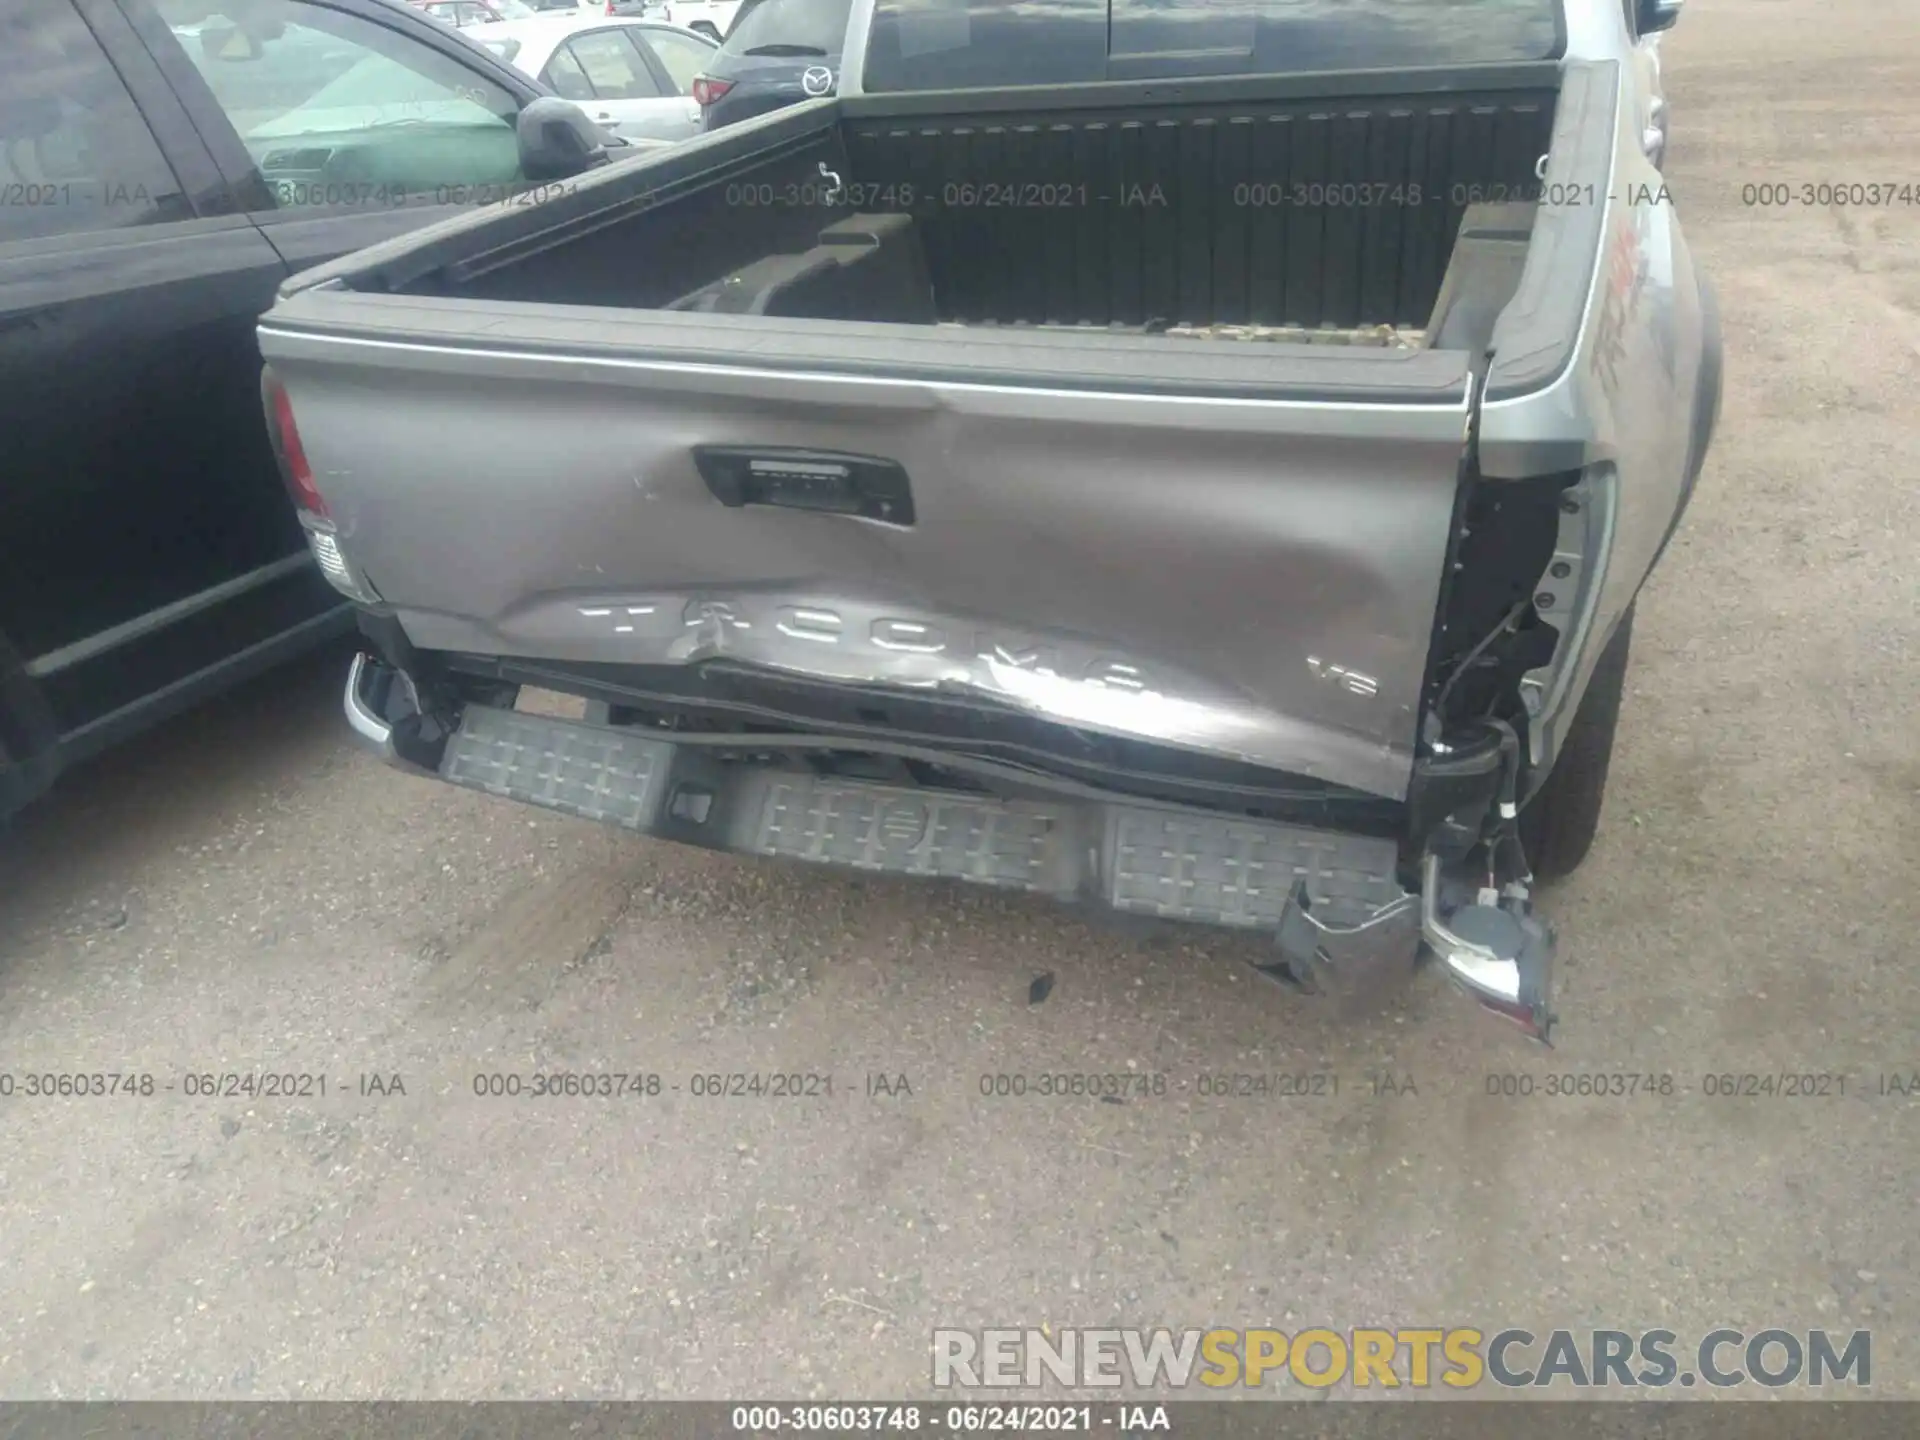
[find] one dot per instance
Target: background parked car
(713, 18)
(778, 53)
(462, 13)
(633, 77)
(167, 164)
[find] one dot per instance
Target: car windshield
(316, 92)
(274, 76)
(970, 44)
(789, 27)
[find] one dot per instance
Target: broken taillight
(315, 519)
(706, 89)
(287, 449)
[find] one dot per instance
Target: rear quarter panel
(1614, 397)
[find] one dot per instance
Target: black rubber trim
(1053, 360)
(123, 680)
(1223, 90)
(29, 735)
(1535, 338)
(224, 674)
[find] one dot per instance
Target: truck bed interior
(1181, 210)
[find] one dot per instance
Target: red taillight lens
(292, 455)
(706, 89)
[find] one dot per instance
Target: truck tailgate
(1235, 549)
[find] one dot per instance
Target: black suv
(164, 165)
(779, 52)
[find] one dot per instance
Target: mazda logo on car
(816, 80)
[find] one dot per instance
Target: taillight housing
(706, 89)
(323, 537)
(287, 449)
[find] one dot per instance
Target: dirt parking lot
(246, 892)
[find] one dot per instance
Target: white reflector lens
(338, 570)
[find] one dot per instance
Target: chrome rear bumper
(374, 692)
(373, 730)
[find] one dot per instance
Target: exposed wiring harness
(1509, 623)
(1504, 834)
(1506, 830)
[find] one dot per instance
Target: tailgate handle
(864, 486)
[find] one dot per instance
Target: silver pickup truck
(1196, 459)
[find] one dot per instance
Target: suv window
(952, 44)
(789, 27)
(336, 110)
(74, 153)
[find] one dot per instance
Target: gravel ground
(244, 891)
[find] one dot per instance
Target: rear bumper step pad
(1139, 859)
(1342, 921)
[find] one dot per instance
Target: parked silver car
(462, 14)
(712, 18)
(634, 77)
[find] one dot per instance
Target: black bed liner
(1442, 129)
(563, 269)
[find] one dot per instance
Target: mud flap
(1352, 964)
(1499, 954)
